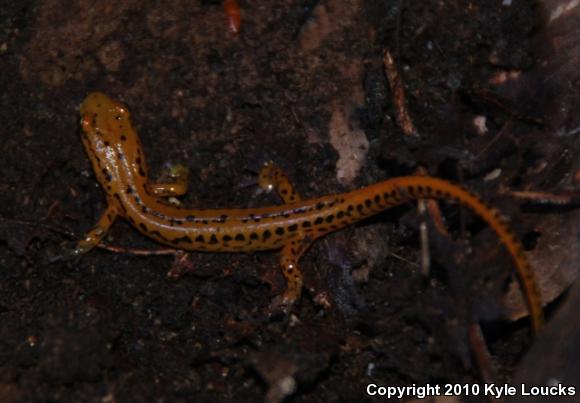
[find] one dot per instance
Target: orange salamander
(115, 152)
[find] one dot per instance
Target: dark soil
(113, 327)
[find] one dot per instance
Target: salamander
(115, 152)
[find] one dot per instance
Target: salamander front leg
(178, 176)
(291, 254)
(271, 177)
(91, 238)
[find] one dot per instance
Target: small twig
(433, 208)
(437, 217)
(298, 122)
(564, 199)
(51, 209)
(425, 255)
(422, 210)
(139, 252)
(398, 91)
(492, 99)
(403, 259)
(50, 227)
(495, 138)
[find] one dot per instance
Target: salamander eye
(121, 112)
(87, 123)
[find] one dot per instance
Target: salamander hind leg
(177, 177)
(289, 260)
(271, 177)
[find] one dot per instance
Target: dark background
(114, 328)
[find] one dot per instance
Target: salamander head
(105, 118)
(110, 141)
